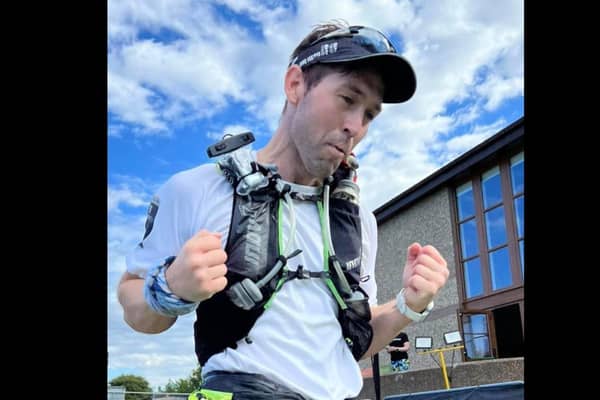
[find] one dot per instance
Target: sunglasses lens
(373, 41)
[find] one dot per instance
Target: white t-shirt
(297, 341)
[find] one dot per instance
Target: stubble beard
(321, 168)
(316, 164)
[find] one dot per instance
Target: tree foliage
(133, 383)
(185, 385)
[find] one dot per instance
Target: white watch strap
(406, 310)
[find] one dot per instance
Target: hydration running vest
(254, 246)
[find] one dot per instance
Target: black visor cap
(398, 76)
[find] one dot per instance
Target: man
(284, 309)
(398, 350)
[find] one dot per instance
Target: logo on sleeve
(152, 210)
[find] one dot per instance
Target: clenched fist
(199, 270)
(425, 272)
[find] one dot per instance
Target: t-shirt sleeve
(167, 227)
(369, 253)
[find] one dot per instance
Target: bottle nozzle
(352, 161)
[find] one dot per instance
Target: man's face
(333, 117)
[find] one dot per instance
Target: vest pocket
(253, 235)
(346, 234)
(357, 331)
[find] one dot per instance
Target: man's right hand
(199, 270)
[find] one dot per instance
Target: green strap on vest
(206, 394)
(328, 281)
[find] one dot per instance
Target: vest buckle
(301, 273)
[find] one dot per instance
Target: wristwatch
(406, 311)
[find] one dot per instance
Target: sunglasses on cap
(363, 44)
(368, 38)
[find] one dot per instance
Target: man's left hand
(425, 272)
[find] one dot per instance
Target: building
(472, 211)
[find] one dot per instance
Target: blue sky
(181, 73)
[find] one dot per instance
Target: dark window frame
(510, 294)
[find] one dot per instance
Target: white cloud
(153, 84)
(496, 89)
(460, 144)
(396, 154)
(447, 42)
(463, 142)
(124, 195)
(126, 18)
(131, 103)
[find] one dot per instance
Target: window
(476, 336)
(469, 240)
(516, 178)
(490, 219)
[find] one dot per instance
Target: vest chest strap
(301, 273)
